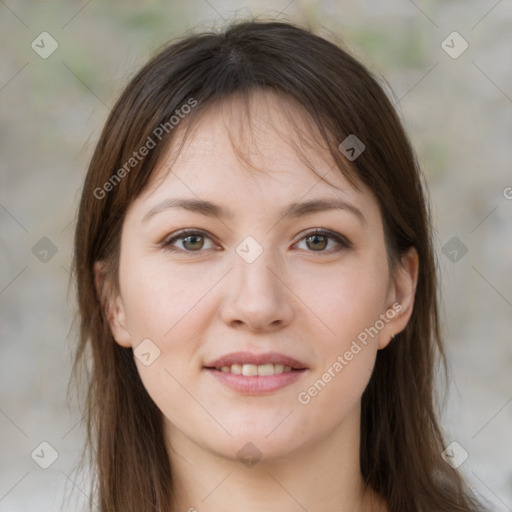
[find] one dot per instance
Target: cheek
(350, 301)
(347, 357)
(334, 393)
(159, 298)
(169, 307)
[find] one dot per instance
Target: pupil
(316, 237)
(193, 237)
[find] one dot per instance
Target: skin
(198, 305)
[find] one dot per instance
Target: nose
(257, 297)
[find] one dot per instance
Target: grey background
(458, 113)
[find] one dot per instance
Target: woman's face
(253, 277)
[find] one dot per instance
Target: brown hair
(401, 441)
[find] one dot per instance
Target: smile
(253, 374)
(252, 369)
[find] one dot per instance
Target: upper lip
(256, 359)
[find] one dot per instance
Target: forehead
(262, 147)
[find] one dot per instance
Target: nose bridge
(256, 269)
(255, 295)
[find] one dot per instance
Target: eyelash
(343, 242)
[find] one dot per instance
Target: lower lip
(256, 384)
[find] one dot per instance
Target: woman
(257, 288)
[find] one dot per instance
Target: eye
(191, 240)
(318, 240)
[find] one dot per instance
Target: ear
(400, 300)
(112, 305)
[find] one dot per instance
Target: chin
(254, 445)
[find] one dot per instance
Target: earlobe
(118, 324)
(401, 297)
(112, 305)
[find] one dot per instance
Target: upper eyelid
(187, 232)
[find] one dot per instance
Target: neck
(320, 477)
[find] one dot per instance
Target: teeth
(266, 369)
(253, 369)
(279, 368)
(236, 369)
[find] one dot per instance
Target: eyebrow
(293, 210)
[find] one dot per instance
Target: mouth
(250, 364)
(250, 370)
(255, 374)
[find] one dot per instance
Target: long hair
(401, 439)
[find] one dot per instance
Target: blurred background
(448, 66)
